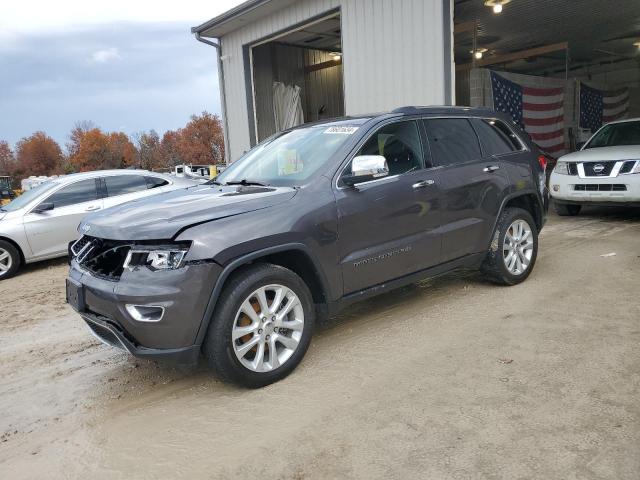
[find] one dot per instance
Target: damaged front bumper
(105, 305)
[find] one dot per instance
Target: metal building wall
(393, 55)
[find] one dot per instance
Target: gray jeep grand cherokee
(308, 221)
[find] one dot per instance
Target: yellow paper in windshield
(288, 162)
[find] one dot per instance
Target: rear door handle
(92, 208)
(423, 183)
(491, 168)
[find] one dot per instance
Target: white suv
(606, 171)
(40, 223)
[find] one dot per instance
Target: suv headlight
(562, 168)
(155, 259)
(636, 169)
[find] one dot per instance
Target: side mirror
(43, 207)
(365, 168)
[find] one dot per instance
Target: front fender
(233, 265)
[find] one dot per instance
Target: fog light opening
(145, 313)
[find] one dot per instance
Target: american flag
(539, 111)
(598, 106)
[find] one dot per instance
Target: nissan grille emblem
(598, 168)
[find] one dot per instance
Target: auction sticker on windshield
(342, 130)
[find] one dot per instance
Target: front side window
(123, 184)
(615, 134)
(496, 138)
(399, 143)
(29, 196)
(452, 141)
(79, 192)
(291, 158)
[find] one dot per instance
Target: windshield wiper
(246, 182)
(212, 182)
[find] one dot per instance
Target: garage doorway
(297, 77)
(560, 69)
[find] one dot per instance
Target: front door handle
(491, 168)
(423, 183)
(92, 208)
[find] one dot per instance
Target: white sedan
(606, 171)
(40, 224)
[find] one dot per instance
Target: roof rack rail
(409, 109)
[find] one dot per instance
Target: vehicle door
(498, 140)
(387, 227)
(124, 188)
(50, 232)
(471, 186)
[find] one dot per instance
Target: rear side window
(79, 192)
(123, 184)
(496, 138)
(452, 141)
(155, 182)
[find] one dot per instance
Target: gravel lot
(451, 378)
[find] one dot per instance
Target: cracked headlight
(155, 259)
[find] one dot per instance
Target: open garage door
(560, 69)
(297, 77)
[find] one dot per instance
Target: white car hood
(625, 152)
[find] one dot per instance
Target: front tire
(566, 209)
(514, 249)
(262, 326)
(9, 260)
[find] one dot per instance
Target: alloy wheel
(5, 261)
(268, 328)
(518, 247)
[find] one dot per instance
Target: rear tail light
(543, 161)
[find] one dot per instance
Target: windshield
(28, 196)
(615, 134)
(288, 159)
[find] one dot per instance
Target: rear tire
(10, 260)
(566, 209)
(238, 345)
(514, 249)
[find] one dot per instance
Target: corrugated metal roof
(590, 26)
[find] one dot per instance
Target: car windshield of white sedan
(28, 196)
(288, 159)
(616, 134)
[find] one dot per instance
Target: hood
(601, 154)
(161, 217)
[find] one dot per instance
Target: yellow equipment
(6, 192)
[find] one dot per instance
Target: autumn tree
(170, 149)
(201, 141)
(7, 159)
(38, 154)
(95, 150)
(150, 154)
(122, 153)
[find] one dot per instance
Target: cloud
(158, 76)
(33, 16)
(105, 55)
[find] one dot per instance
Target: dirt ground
(451, 378)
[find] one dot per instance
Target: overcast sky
(126, 65)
